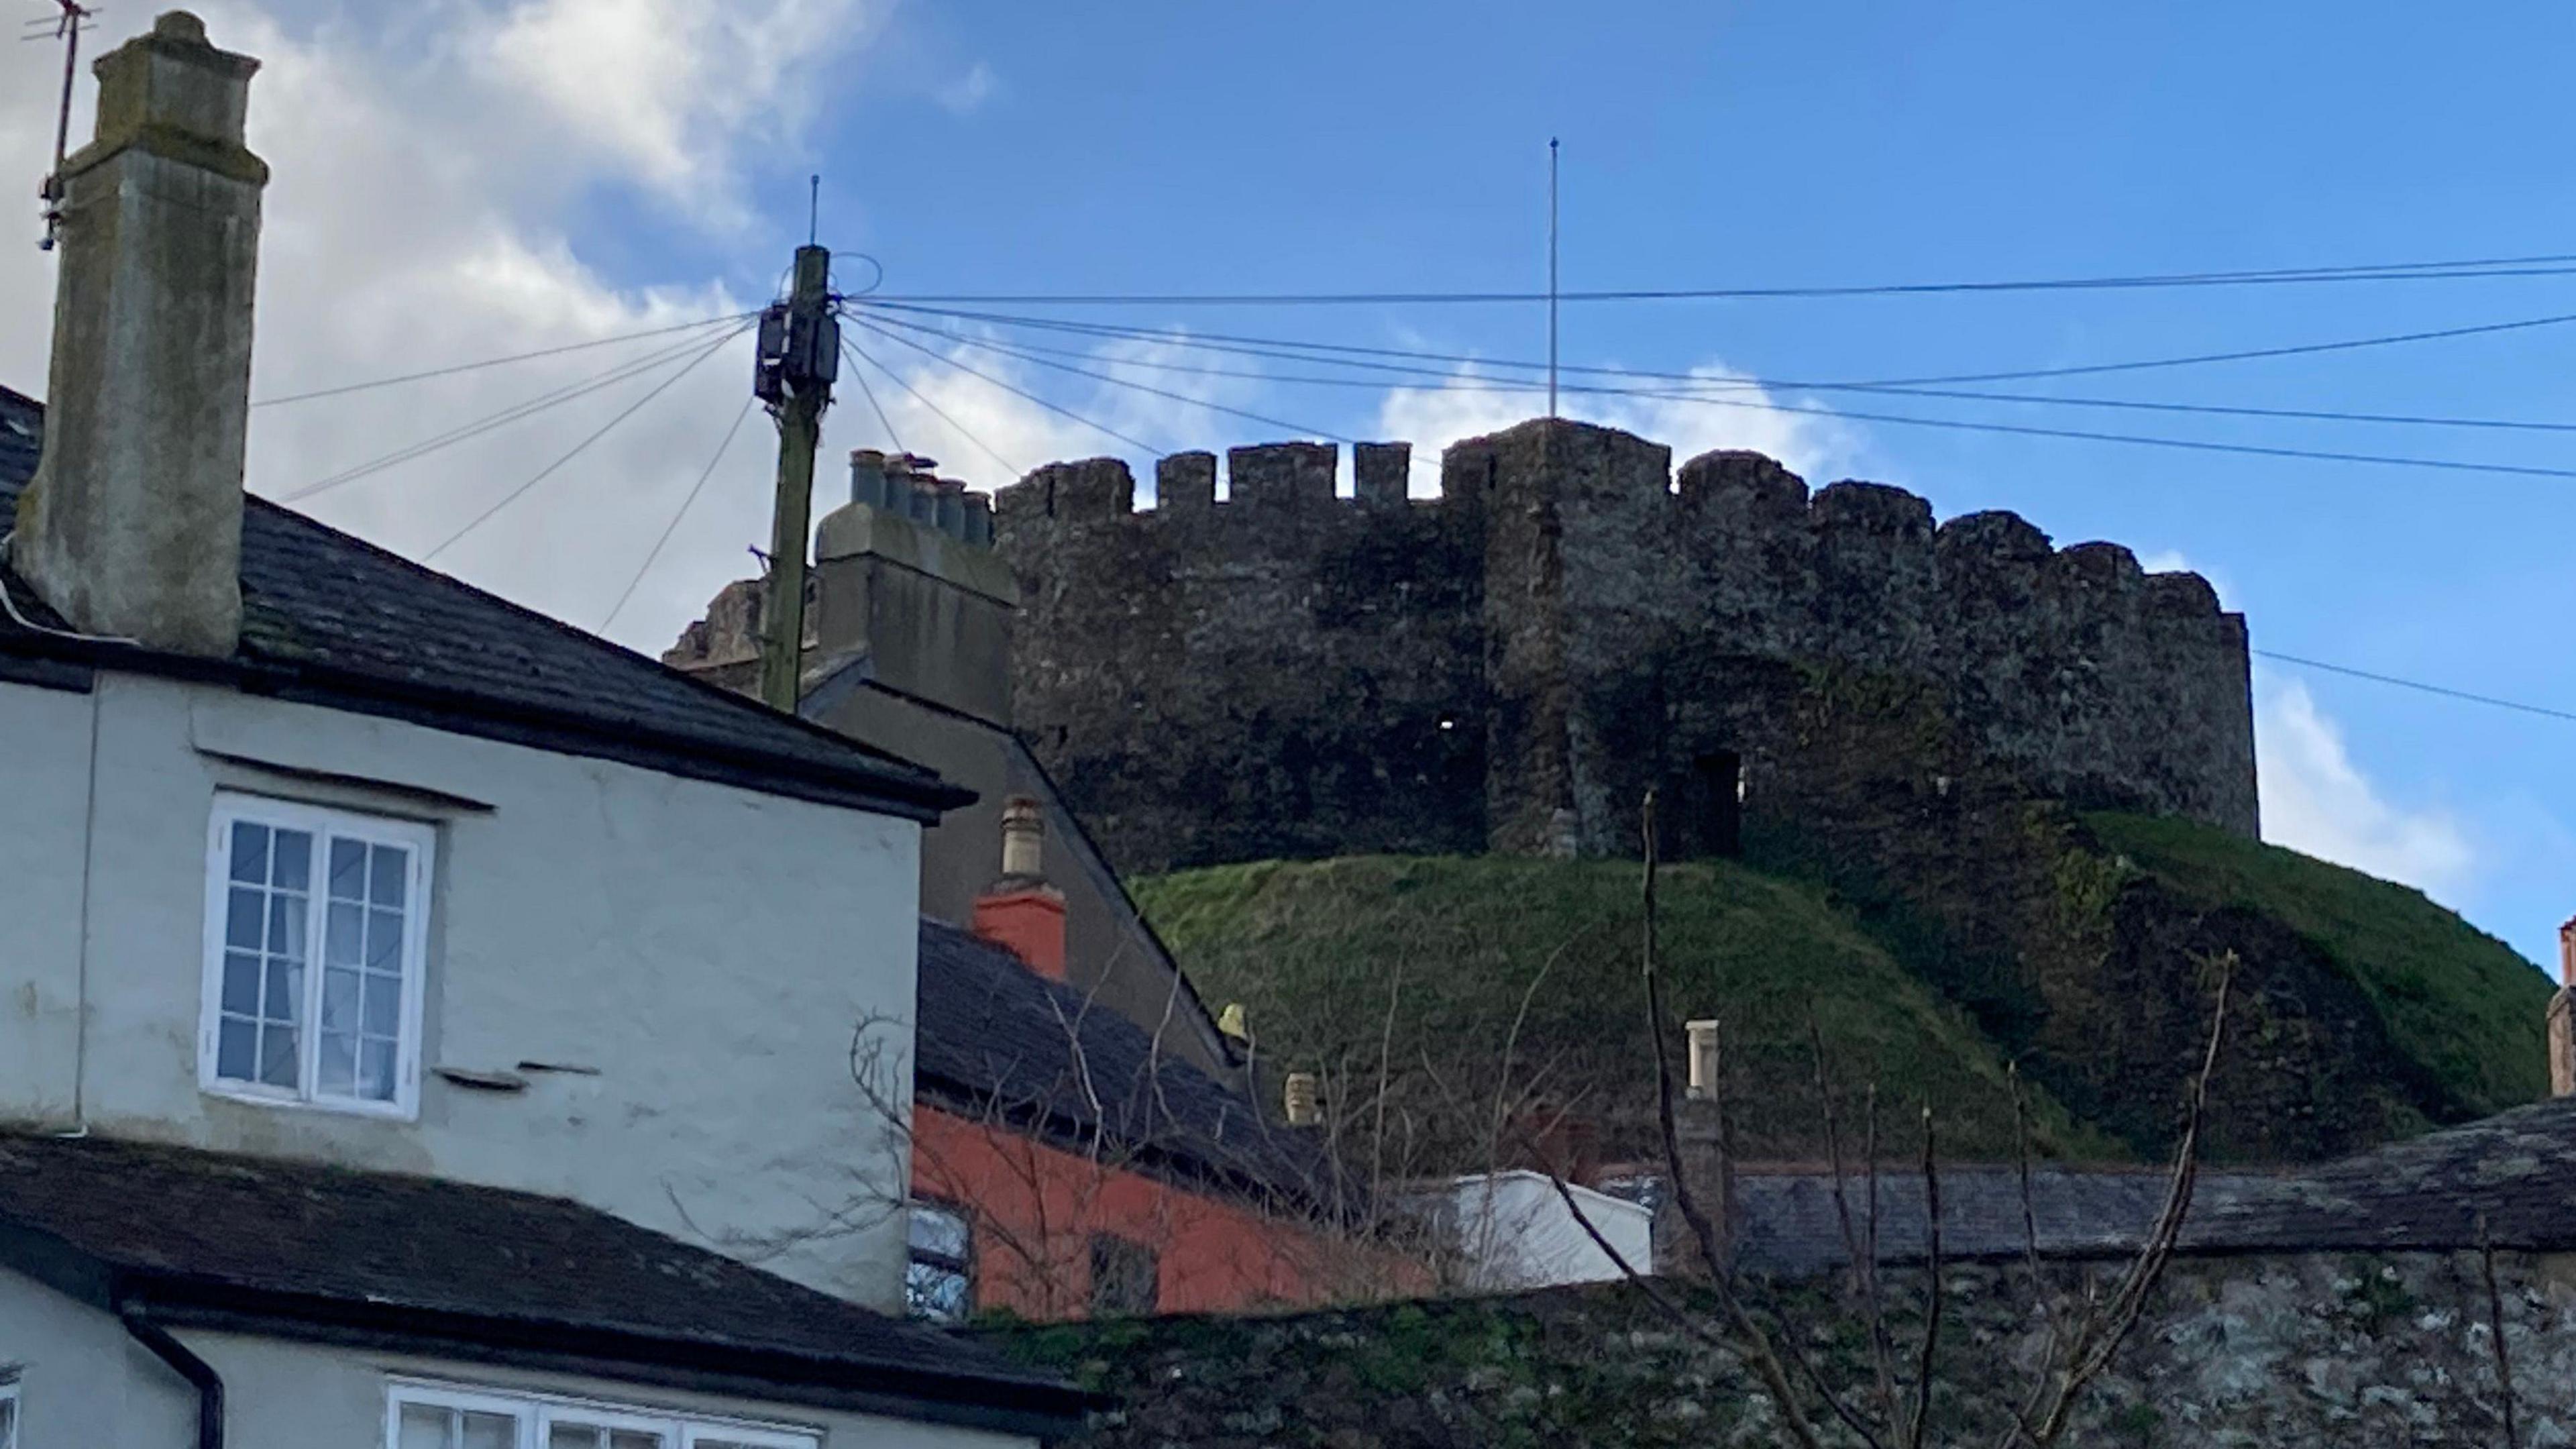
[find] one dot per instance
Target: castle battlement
(1718, 505)
(1570, 620)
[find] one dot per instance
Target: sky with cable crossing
(459, 180)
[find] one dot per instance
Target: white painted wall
(1517, 1232)
(84, 1382)
(708, 950)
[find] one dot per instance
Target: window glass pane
(1124, 1275)
(386, 872)
(339, 1001)
(241, 983)
(242, 918)
(384, 940)
(344, 935)
(572, 1436)
(250, 852)
(376, 1069)
(286, 925)
(426, 1426)
(236, 1049)
(348, 870)
(293, 868)
(278, 1066)
(491, 1431)
(937, 1293)
(285, 992)
(939, 1230)
(384, 1006)
(634, 1439)
(336, 1074)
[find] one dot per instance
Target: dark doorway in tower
(1711, 821)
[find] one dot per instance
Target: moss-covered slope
(1473, 986)
(1484, 983)
(2454, 1000)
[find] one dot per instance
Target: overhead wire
(596, 342)
(633, 367)
(1470, 382)
(1261, 418)
(960, 429)
(515, 494)
(1299, 350)
(1907, 420)
(1015, 390)
(2556, 264)
(887, 423)
(681, 512)
(2415, 684)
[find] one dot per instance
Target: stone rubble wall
(2318, 1350)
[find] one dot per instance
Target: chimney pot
(1299, 1098)
(1021, 911)
(1023, 839)
(868, 477)
(1703, 1060)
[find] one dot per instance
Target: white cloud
(971, 399)
(432, 167)
(968, 93)
(668, 90)
(429, 163)
(1432, 418)
(2316, 800)
(2172, 561)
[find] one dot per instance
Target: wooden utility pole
(800, 353)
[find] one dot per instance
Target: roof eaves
(915, 796)
(1012, 1403)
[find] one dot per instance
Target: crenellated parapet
(1259, 665)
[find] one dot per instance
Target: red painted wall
(1035, 1208)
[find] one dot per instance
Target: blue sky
(486, 177)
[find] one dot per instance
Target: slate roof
(186, 1236)
(1789, 1225)
(996, 1038)
(331, 619)
(2516, 1168)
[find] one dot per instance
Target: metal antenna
(67, 27)
(1551, 277)
(813, 209)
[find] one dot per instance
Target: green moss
(1445, 968)
(2458, 1001)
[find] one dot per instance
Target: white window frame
(325, 824)
(17, 1407)
(536, 1415)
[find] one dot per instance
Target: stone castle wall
(1510, 665)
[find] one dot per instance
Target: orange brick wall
(1035, 1207)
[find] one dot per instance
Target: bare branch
(2495, 1334)
(2107, 1324)
(1757, 1344)
(1931, 1286)
(1864, 1268)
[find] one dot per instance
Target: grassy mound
(2457, 1001)
(1469, 985)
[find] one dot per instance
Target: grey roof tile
(333, 618)
(996, 1038)
(178, 1229)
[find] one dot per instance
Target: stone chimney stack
(1022, 912)
(2562, 1017)
(132, 525)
